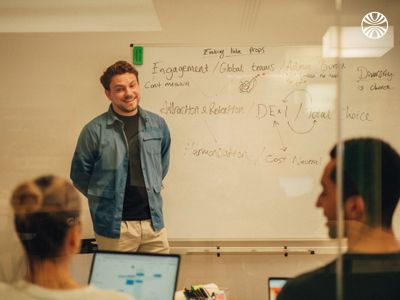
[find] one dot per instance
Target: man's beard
(333, 229)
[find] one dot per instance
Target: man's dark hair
(371, 169)
(120, 67)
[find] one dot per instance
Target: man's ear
(354, 208)
(107, 92)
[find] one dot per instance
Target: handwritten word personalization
(170, 71)
(219, 152)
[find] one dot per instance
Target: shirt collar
(111, 116)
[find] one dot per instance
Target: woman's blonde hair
(44, 209)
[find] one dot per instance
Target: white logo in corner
(374, 25)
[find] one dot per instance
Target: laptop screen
(142, 275)
(275, 284)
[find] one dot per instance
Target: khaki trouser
(136, 236)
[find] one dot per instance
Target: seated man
(371, 189)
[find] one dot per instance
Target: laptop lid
(275, 284)
(142, 275)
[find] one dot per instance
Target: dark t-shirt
(136, 202)
(365, 276)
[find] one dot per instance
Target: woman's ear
(73, 240)
(354, 208)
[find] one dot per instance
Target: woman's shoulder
(107, 294)
(23, 290)
(4, 287)
(8, 291)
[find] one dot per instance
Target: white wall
(50, 89)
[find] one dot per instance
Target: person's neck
(125, 114)
(366, 239)
(52, 274)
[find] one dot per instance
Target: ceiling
(283, 21)
(77, 16)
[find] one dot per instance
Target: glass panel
(370, 161)
(255, 98)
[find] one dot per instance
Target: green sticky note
(138, 55)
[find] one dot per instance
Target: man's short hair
(371, 169)
(120, 67)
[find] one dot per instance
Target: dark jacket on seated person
(365, 277)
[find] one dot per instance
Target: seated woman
(47, 220)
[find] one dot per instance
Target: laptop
(142, 275)
(275, 284)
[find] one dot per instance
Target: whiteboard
(251, 130)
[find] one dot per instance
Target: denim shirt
(100, 165)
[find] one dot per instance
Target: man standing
(371, 190)
(119, 163)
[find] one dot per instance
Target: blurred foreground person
(47, 220)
